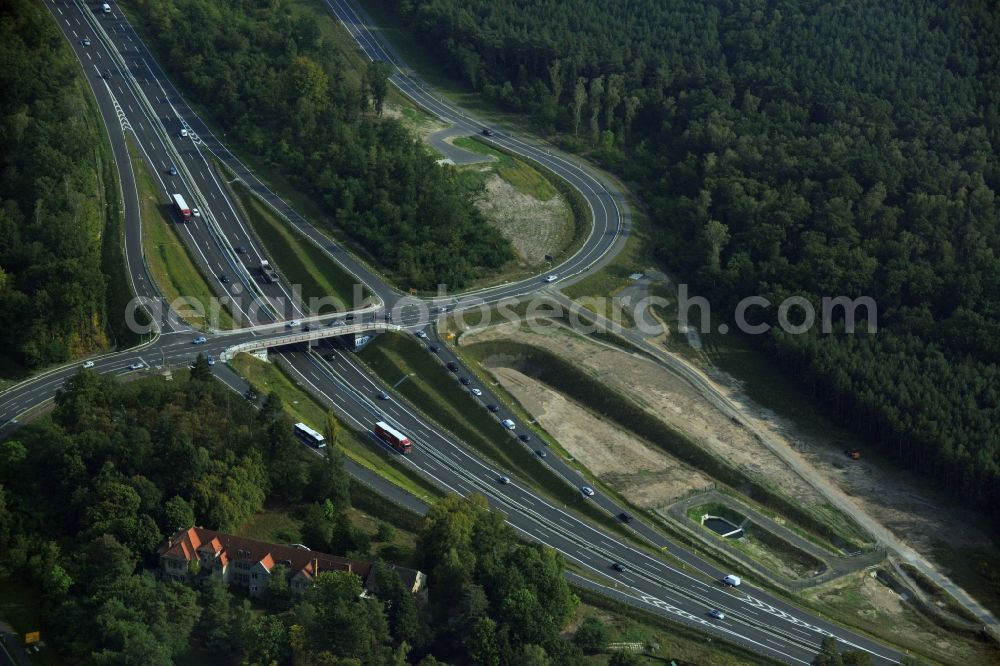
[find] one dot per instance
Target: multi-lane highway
(139, 104)
(753, 619)
(139, 111)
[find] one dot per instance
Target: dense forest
(783, 148)
(281, 90)
(53, 294)
(87, 495)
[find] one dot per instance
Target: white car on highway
(200, 340)
(507, 423)
(293, 323)
(587, 490)
(138, 365)
(476, 391)
(88, 364)
(196, 212)
(184, 132)
(551, 278)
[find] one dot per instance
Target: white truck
(268, 272)
(732, 581)
(181, 207)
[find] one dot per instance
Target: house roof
(186, 543)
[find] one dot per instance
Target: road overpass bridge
(266, 342)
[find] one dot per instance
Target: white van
(732, 580)
(106, 8)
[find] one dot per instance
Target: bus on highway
(307, 435)
(182, 208)
(393, 437)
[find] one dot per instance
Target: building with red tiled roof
(248, 563)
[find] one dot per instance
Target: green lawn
(170, 262)
(275, 524)
(433, 391)
(301, 406)
(300, 261)
(769, 549)
(634, 258)
(520, 175)
(668, 641)
(282, 524)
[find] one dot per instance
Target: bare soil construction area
(662, 394)
(535, 228)
(643, 475)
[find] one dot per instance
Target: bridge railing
(264, 342)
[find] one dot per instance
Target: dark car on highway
(524, 438)
(624, 517)
(493, 408)
(452, 366)
(465, 381)
(435, 348)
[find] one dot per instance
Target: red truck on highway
(393, 437)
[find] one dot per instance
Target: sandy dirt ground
(665, 396)
(643, 475)
(422, 124)
(535, 228)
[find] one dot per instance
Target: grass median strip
(301, 262)
(394, 356)
(301, 406)
(170, 262)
